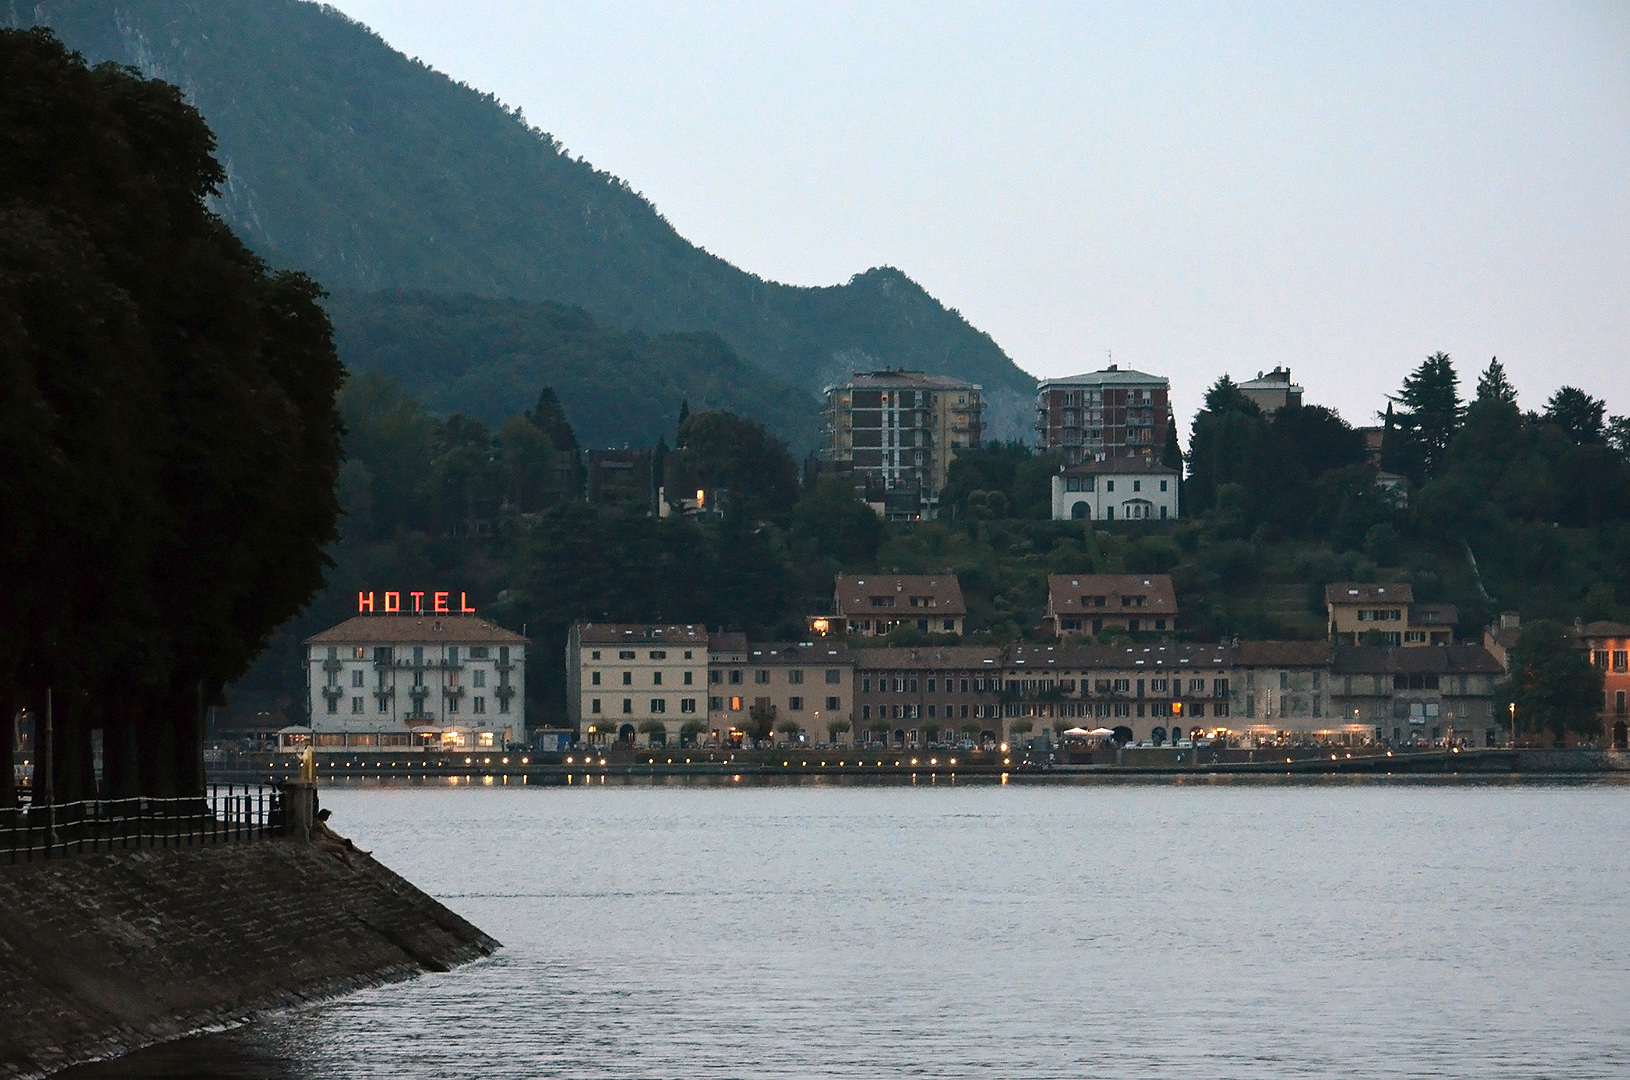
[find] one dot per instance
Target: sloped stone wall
(101, 954)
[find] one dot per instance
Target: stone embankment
(101, 954)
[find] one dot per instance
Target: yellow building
(1386, 614)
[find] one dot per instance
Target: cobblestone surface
(100, 954)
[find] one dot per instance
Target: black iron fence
(225, 813)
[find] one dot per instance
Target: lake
(1203, 928)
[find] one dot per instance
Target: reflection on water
(1194, 930)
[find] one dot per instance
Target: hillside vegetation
(468, 354)
(372, 171)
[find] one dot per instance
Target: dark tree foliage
(829, 524)
(1419, 434)
(1000, 480)
(1228, 444)
(1577, 414)
(722, 450)
(173, 466)
(1553, 684)
(1492, 384)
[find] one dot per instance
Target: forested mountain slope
(476, 355)
(373, 171)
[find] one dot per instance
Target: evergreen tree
(1493, 385)
(1426, 424)
(1577, 413)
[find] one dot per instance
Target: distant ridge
(373, 171)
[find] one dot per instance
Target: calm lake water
(1201, 929)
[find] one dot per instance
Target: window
(689, 677)
(735, 704)
(626, 654)
(1414, 637)
(833, 704)
(478, 652)
(452, 654)
(485, 738)
(594, 678)
(656, 678)
(659, 705)
(384, 703)
(1621, 660)
(418, 654)
(356, 677)
(452, 705)
(866, 684)
(1137, 485)
(1284, 680)
(1219, 687)
(930, 686)
(479, 678)
(479, 705)
(687, 654)
(795, 704)
(628, 678)
(360, 653)
(761, 677)
(593, 656)
(735, 676)
(1198, 686)
(715, 703)
(659, 654)
(834, 676)
(333, 705)
(628, 705)
(687, 704)
(795, 676)
(1163, 488)
(715, 676)
(1109, 485)
(865, 712)
(503, 704)
(356, 705)
(594, 706)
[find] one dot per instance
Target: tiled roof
(852, 595)
(414, 630)
(1109, 377)
(1355, 592)
(1602, 629)
(780, 652)
(1064, 592)
(1120, 657)
(1129, 466)
(945, 657)
(607, 633)
(1284, 654)
(1397, 659)
(1434, 614)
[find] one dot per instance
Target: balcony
(454, 692)
(418, 719)
(767, 712)
(332, 665)
(504, 692)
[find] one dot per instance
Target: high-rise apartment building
(898, 432)
(1104, 415)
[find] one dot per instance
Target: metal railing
(225, 813)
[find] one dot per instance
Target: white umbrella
(1101, 733)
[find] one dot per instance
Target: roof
(731, 642)
(852, 595)
(1399, 659)
(630, 633)
(903, 380)
(1110, 376)
(1064, 592)
(415, 630)
(942, 657)
(1603, 629)
(799, 652)
(1128, 466)
(1277, 379)
(1176, 657)
(1282, 654)
(1434, 614)
(1354, 592)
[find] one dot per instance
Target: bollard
(299, 799)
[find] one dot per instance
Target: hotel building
(394, 683)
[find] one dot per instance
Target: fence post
(299, 807)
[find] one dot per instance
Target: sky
(1188, 189)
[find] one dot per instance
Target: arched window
(1158, 736)
(1080, 511)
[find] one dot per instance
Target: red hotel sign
(438, 603)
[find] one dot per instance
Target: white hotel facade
(414, 682)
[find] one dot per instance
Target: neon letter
(464, 604)
(393, 602)
(441, 603)
(418, 598)
(365, 602)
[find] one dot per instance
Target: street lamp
(1513, 708)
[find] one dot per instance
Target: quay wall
(101, 954)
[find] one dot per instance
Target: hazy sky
(1199, 188)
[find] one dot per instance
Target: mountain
(479, 356)
(373, 171)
